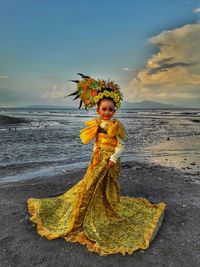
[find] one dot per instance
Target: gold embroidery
(94, 213)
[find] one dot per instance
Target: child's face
(106, 109)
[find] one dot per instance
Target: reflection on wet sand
(181, 153)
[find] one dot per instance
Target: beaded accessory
(91, 91)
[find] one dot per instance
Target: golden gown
(93, 212)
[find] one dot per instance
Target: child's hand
(110, 164)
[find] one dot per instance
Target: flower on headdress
(106, 93)
(118, 104)
(116, 97)
(87, 101)
(112, 94)
(94, 92)
(116, 100)
(100, 95)
(84, 86)
(96, 99)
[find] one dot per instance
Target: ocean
(49, 144)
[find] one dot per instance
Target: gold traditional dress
(93, 212)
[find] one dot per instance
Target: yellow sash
(90, 132)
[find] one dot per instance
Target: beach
(41, 155)
(176, 244)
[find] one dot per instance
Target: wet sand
(177, 243)
(180, 152)
(11, 121)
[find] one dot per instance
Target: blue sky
(43, 44)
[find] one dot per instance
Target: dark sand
(8, 120)
(177, 242)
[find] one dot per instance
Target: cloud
(54, 92)
(174, 71)
(4, 77)
(126, 69)
(167, 66)
(54, 95)
(196, 10)
(57, 92)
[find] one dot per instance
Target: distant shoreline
(75, 108)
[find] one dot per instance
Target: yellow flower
(96, 99)
(116, 98)
(100, 95)
(118, 104)
(106, 93)
(112, 94)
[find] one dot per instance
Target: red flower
(94, 92)
(87, 101)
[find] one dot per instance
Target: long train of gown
(94, 213)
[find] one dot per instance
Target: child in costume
(93, 212)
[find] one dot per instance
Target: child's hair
(106, 97)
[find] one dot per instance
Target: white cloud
(174, 71)
(57, 93)
(54, 92)
(4, 77)
(126, 69)
(196, 10)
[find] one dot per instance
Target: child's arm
(118, 150)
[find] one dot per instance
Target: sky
(150, 48)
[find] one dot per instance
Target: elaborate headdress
(91, 91)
